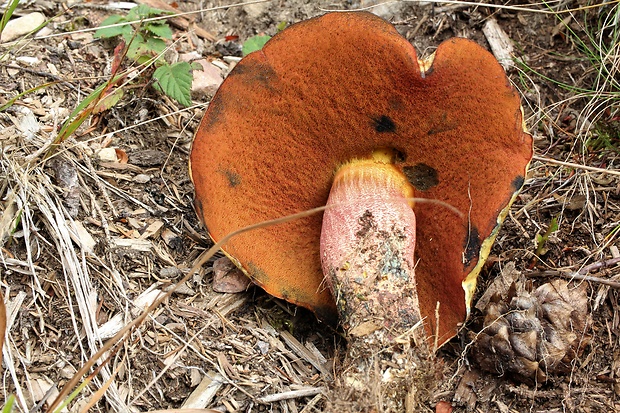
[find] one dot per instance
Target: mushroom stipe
(339, 107)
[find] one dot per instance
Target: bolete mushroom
(342, 103)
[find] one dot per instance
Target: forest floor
(90, 235)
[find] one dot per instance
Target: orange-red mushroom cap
(338, 87)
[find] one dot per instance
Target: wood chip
(114, 325)
(43, 388)
(9, 217)
(205, 392)
(81, 236)
(501, 44)
(465, 391)
(152, 230)
(293, 394)
(148, 157)
(134, 244)
(303, 352)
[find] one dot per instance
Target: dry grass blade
(2, 323)
(576, 165)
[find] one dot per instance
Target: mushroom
(339, 111)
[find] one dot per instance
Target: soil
(138, 213)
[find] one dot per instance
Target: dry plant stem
(305, 392)
(575, 165)
(581, 274)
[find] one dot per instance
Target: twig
(581, 274)
(599, 265)
(293, 394)
(576, 165)
(42, 74)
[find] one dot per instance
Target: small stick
(599, 265)
(581, 274)
(48, 75)
(293, 394)
(576, 165)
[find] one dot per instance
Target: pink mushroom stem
(367, 249)
(367, 244)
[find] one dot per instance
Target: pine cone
(530, 335)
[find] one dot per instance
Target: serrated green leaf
(139, 12)
(155, 45)
(175, 81)
(136, 47)
(160, 29)
(107, 32)
(143, 11)
(253, 44)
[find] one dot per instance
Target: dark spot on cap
(441, 124)
(396, 103)
(472, 246)
(257, 274)
(233, 178)
(421, 176)
(518, 182)
(383, 124)
(399, 156)
(215, 109)
(255, 72)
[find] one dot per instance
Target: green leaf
(108, 101)
(107, 32)
(541, 239)
(175, 81)
(281, 26)
(136, 47)
(8, 406)
(160, 29)
(143, 11)
(143, 49)
(155, 45)
(253, 44)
